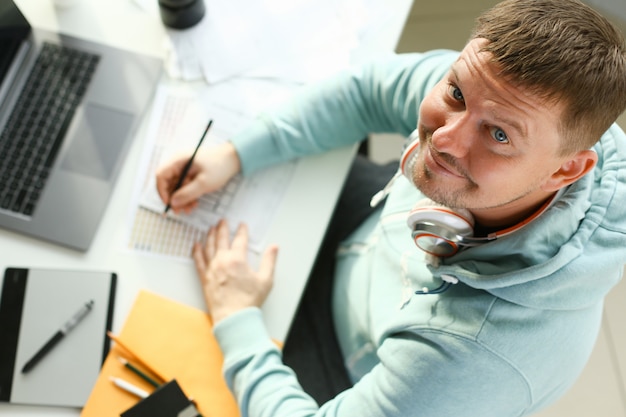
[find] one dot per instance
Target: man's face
(485, 144)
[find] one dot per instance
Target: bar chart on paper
(177, 120)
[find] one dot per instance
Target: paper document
(160, 336)
(178, 119)
(298, 40)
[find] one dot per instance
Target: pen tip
(122, 360)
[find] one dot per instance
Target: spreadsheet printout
(177, 121)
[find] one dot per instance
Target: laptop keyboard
(37, 125)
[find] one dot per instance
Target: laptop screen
(14, 29)
(12, 21)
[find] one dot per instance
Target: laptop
(69, 110)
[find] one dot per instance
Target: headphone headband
(409, 155)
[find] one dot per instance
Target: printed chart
(177, 121)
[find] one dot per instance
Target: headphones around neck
(439, 230)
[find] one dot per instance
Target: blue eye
(499, 135)
(456, 93)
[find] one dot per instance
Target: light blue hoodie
(507, 340)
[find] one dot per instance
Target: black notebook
(37, 305)
(168, 400)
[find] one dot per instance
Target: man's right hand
(212, 168)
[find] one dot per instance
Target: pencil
(138, 359)
(188, 165)
(138, 372)
(128, 387)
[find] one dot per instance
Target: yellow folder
(169, 340)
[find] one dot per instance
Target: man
(516, 131)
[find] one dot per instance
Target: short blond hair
(561, 50)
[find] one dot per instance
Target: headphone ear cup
(435, 228)
(459, 221)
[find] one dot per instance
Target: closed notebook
(172, 341)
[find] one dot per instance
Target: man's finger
(268, 262)
(240, 241)
(199, 260)
(164, 180)
(210, 246)
(191, 190)
(167, 176)
(222, 238)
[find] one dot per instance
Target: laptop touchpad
(97, 141)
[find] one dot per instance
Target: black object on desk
(181, 14)
(168, 400)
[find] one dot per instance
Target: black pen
(67, 327)
(188, 165)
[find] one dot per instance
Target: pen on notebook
(185, 171)
(60, 334)
(138, 372)
(128, 387)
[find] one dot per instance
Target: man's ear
(572, 170)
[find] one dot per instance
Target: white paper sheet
(297, 40)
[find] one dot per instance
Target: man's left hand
(229, 283)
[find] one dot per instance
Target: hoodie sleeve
(343, 110)
(420, 374)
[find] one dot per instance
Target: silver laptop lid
(96, 139)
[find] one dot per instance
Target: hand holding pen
(182, 181)
(187, 166)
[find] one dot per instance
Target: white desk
(121, 23)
